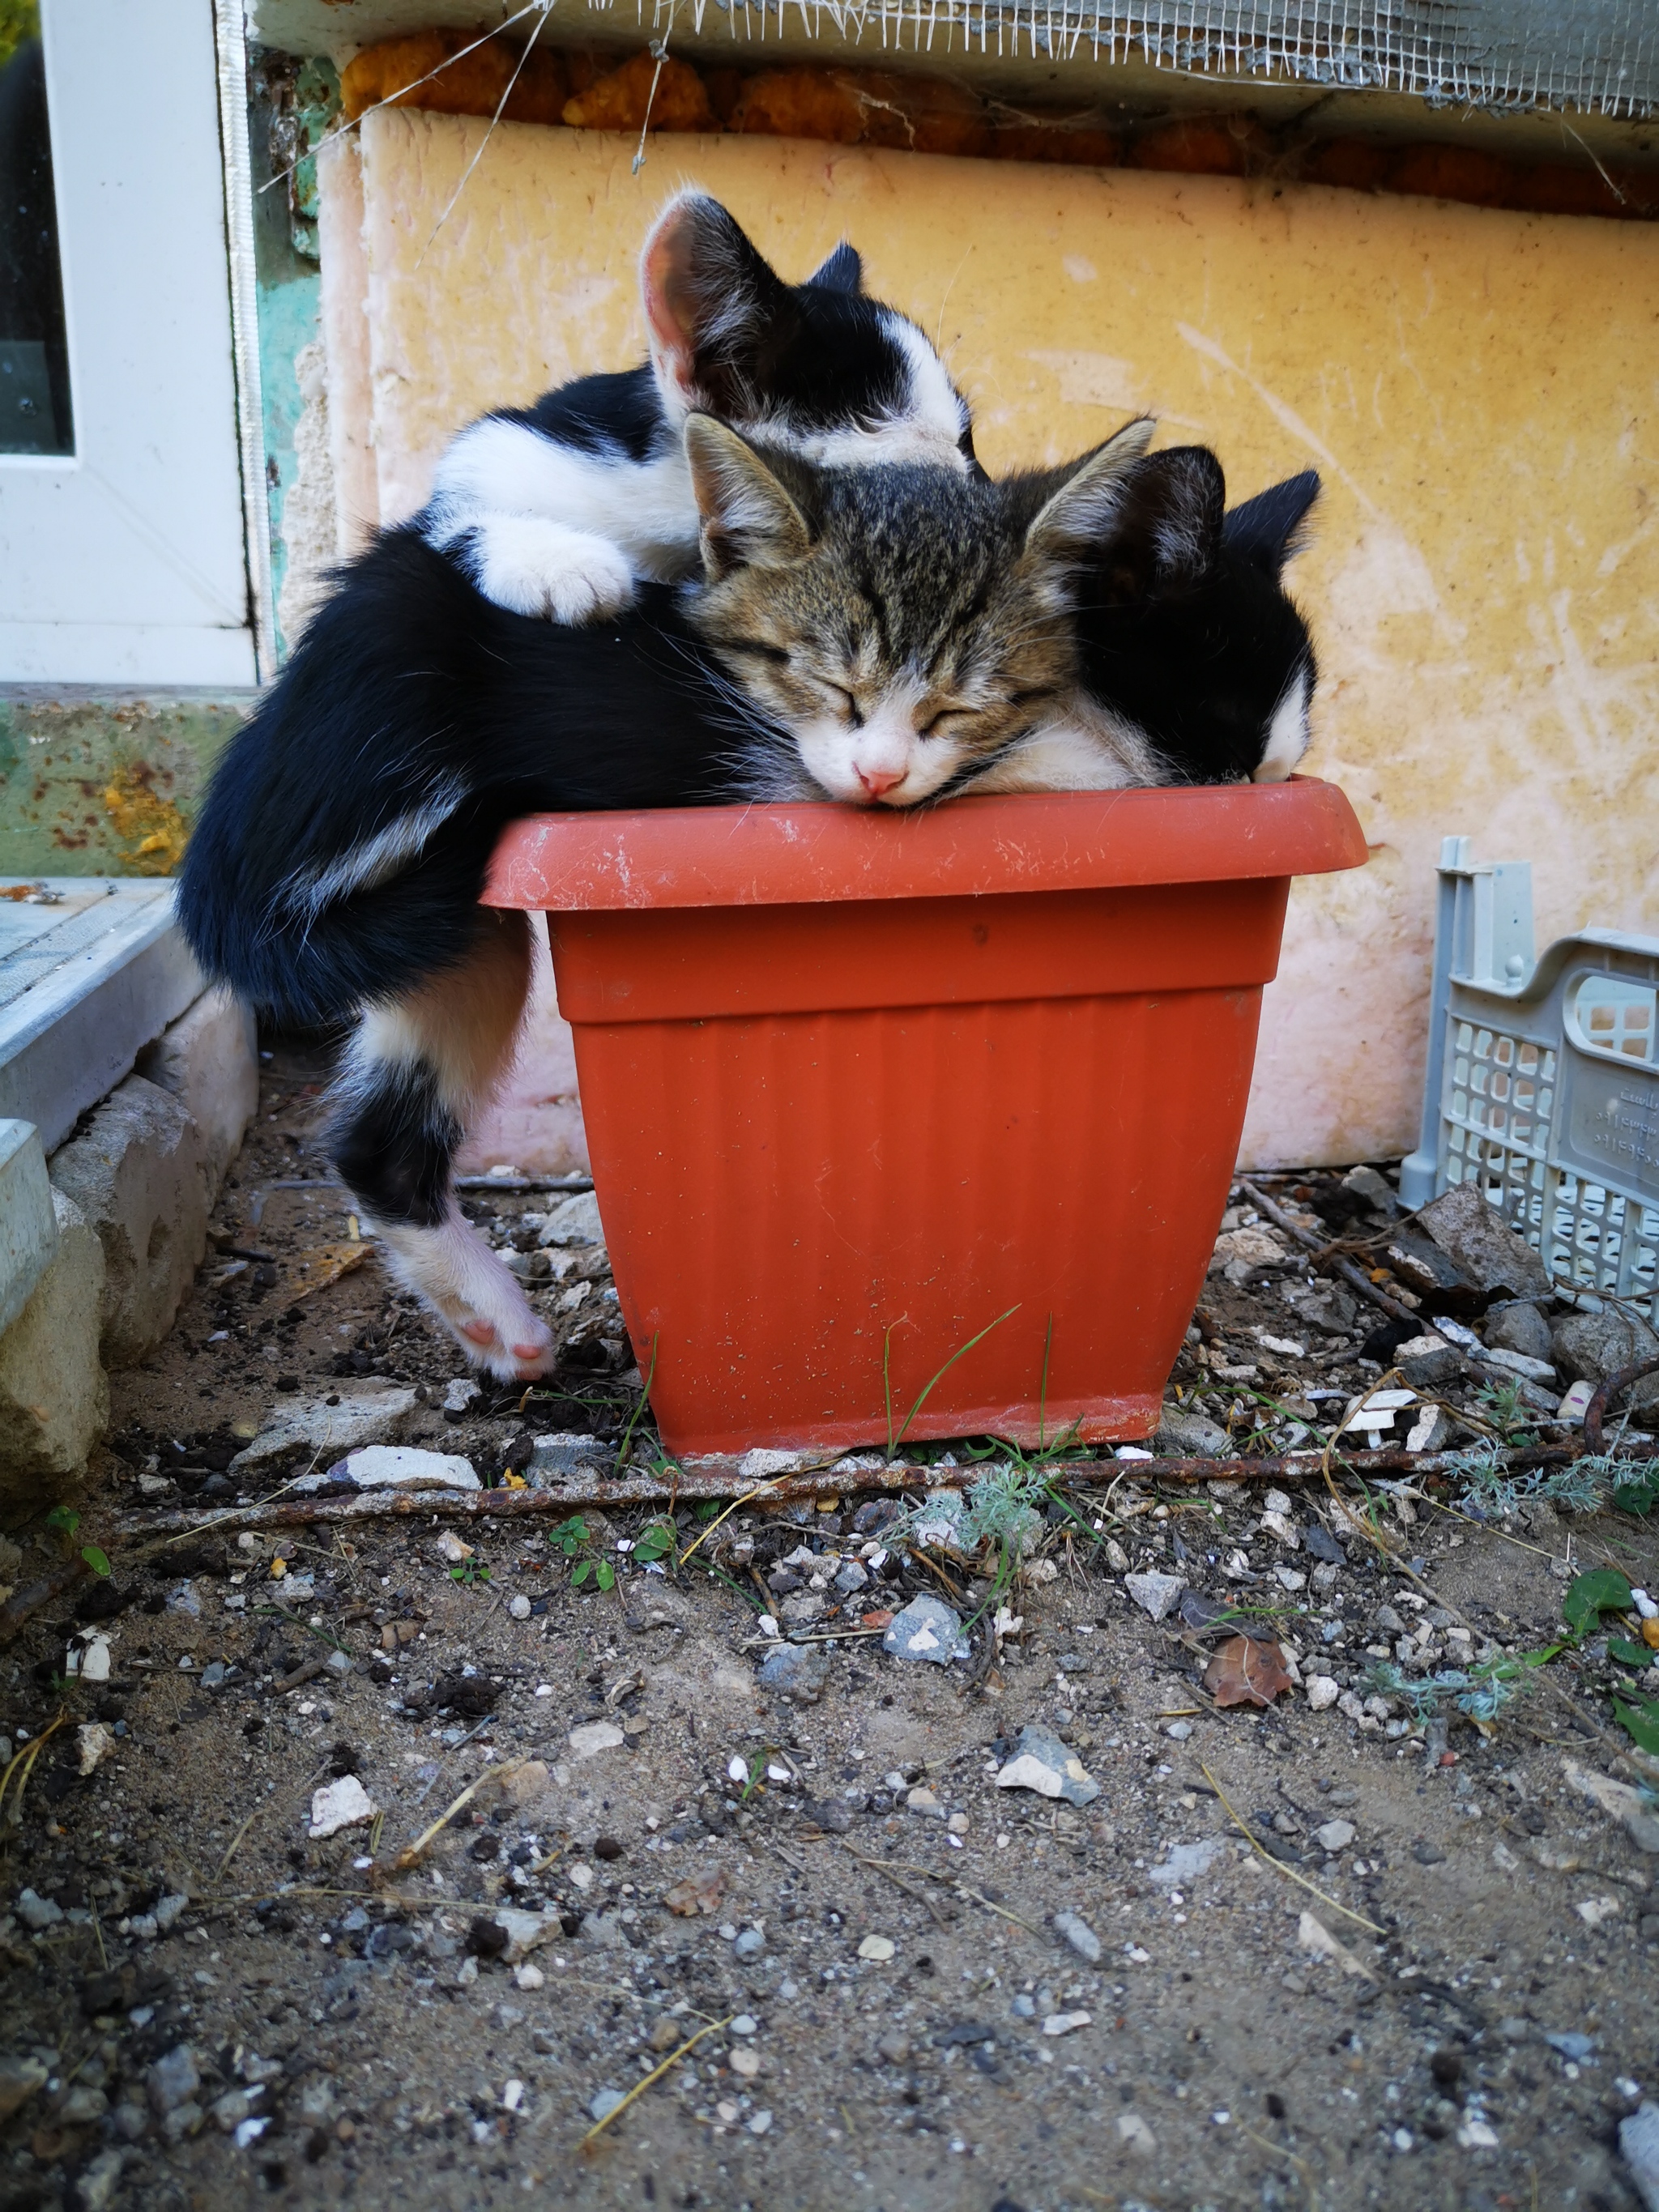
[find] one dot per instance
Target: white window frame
(142, 559)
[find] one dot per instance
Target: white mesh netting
(1593, 56)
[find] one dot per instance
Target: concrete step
(92, 968)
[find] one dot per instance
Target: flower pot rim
(777, 856)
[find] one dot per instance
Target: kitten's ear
(711, 302)
(1167, 535)
(1082, 514)
(1270, 529)
(749, 520)
(843, 272)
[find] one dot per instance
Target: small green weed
(1639, 1718)
(469, 1571)
(1504, 1405)
(655, 1544)
(573, 1538)
(1481, 1692)
(63, 1522)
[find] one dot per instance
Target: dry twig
(655, 2074)
(1279, 1866)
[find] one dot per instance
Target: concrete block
(28, 1228)
(54, 1395)
(209, 1060)
(138, 1174)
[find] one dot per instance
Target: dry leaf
(323, 1264)
(1246, 1672)
(698, 1893)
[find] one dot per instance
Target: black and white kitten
(562, 509)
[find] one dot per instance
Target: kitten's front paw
(536, 568)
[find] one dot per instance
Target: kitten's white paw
(480, 1303)
(532, 566)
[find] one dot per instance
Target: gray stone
(1365, 1182)
(461, 1393)
(1520, 1363)
(1428, 1362)
(1042, 1762)
(606, 2101)
(1335, 1836)
(575, 1222)
(1638, 2144)
(398, 1467)
(94, 2185)
(172, 2080)
(1183, 1434)
(29, 1227)
(1187, 1862)
(1322, 1305)
(54, 1395)
(750, 1944)
(20, 2079)
(1519, 1328)
(1155, 1593)
(1475, 1236)
(605, 1929)
(209, 1060)
(1077, 1933)
(227, 2112)
(1589, 1347)
(1572, 2043)
(38, 1913)
(367, 1412)
(564, 1452)
(851, 1574)
(796, 1671)
(926, 1629)
(139, 1176)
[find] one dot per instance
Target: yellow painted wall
(1480, 391)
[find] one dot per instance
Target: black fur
(609, 413)
(411, 689)
(816, 352)
(1184, 626)
(1269, 529)
(393, 1143)
(407, 687)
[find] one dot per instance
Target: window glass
(34, 392)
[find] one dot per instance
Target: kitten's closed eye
(928, 617)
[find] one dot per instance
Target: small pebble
(878, 1947)
(518, 1607)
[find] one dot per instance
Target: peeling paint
(106, 786)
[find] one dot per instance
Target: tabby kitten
(912, 630)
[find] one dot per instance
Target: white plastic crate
(1542, 1086)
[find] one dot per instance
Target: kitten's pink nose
(878, 780)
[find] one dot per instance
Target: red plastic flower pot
(917, 1125)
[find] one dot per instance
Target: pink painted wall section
(536, 1122)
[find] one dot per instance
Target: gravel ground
(1458, 2013)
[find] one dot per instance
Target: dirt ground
(193, 1964)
